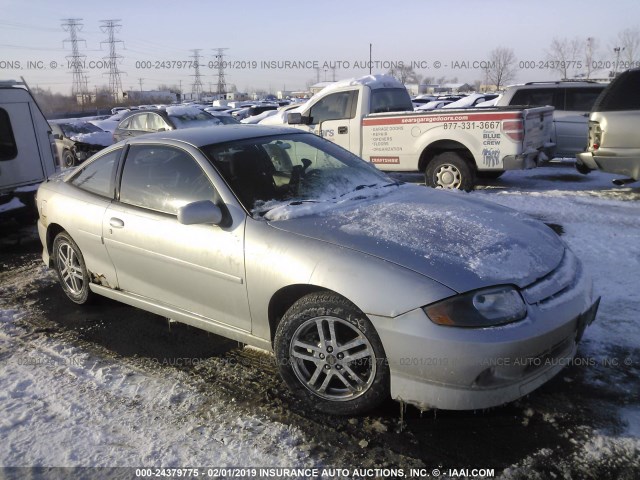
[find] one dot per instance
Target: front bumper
(450, 368)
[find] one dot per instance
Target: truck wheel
(71, 269)
(449, 170)
(330, 355)
(68, 159)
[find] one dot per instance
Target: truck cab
(337, 115)
(27, 149)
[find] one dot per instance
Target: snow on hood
(103, 139)
(450, 237)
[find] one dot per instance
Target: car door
(194, 268)
(333, 117)
(572, 119)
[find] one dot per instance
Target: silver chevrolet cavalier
(363, 287)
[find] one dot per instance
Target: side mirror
(294, 118)
(57, 136)
(204, 211)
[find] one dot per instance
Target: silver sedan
(363, 287)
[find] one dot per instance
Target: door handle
(342, 130)
(116, 222)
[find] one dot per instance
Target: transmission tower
(222, 84)
(115, 84)
(196, 88)
(79, 86)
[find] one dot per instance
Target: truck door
(20, 161)
(334, 118)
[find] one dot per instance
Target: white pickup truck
(373, 117)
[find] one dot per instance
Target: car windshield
(284, 176)
(73, 129)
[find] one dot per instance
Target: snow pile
(258, 118)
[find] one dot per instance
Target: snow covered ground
(69, 397)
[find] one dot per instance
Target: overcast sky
(327, 32)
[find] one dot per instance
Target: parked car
(471, 100)
(109, 124)
(171, 118)
(614, 123)
(77, 140)
(362, 286)
(433, 105)
(572, 102)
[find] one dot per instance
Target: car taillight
(595, 134)
(514, 129)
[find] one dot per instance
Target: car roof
(200, 136)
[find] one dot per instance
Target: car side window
(336, 106)
(163, 179)
(8, 148)
(155, 122)
(138, 122)
(98, 176)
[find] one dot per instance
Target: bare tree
(405, 74)
(502, 67)
(564, 55)
(628, 42)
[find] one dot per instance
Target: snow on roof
(372, 81)
(183, 111)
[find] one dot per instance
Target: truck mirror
(294, 118)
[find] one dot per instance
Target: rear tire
(330, 355)
(71, 269)
(449, 170)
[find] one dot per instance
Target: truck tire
(330, 355)
(449, 170)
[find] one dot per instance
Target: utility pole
(222, 84)
(79, 86)
(617, 51)
(115, 84)
(196, 88)
(140, 83)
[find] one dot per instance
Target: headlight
(482, 308)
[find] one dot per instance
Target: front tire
(71, 269)
(330, 355)
(449, 170)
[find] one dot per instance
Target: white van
(27, 149)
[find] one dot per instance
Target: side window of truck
(533, 97)
(336, 106)
(8, 149)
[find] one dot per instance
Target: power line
(115, 83)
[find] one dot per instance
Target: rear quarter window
(621, 94)
(98, 176)
(8, 148)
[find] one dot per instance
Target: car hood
(452, 237)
